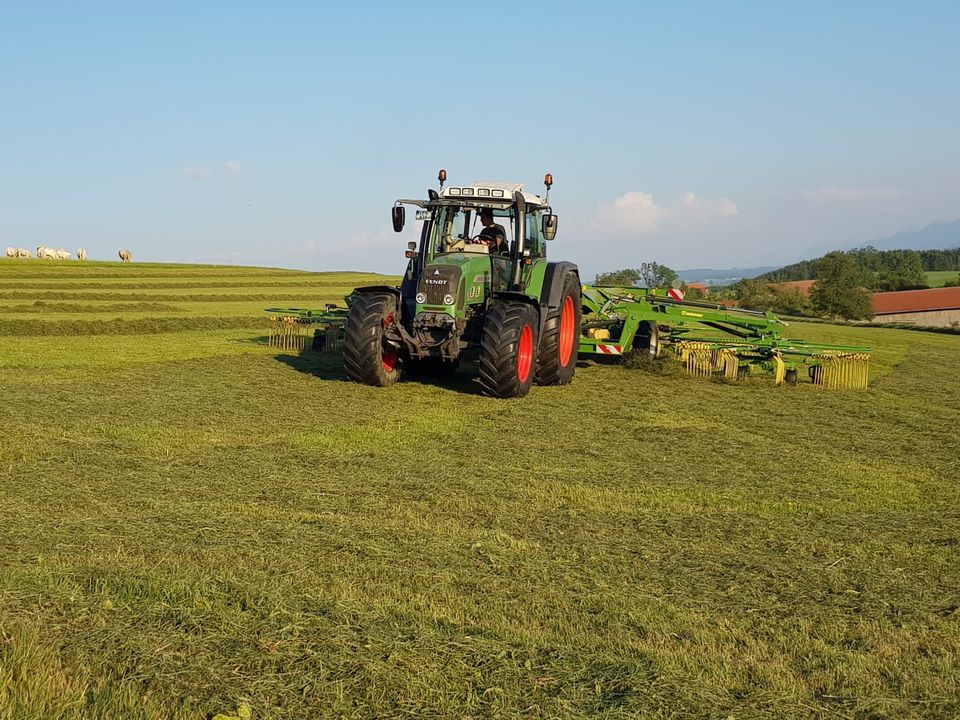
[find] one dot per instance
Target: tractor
(460, 292)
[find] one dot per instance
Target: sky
(711, 134)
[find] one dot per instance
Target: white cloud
(196, 173)
(849, 193)
(233, 167)
(638, 213)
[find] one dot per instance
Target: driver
(492, 234)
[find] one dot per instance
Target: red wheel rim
(567, 331)
(525, 354)
(389, 359)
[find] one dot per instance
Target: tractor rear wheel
(557, 355)
(367, 358)
(508, 351)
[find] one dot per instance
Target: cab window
(533, 242)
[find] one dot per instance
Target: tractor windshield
(460, 229)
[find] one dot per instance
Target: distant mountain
(936, 236)
(724, 276)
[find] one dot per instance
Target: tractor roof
(490, 190)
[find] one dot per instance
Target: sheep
(23, 253)
(126, 256)
(11, 252)
(62, 254)
(81, 254)
(45, 252)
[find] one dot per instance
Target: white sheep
(45, 252)
(23, 253)
(126, 256)
(81, 254)
(63, 254)
(11, 252)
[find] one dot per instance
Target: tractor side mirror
(398, 214)
(549, 227)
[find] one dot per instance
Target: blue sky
(694, 134)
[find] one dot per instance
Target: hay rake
(712, 340)
(299, 329)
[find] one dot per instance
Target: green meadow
(195, 523)
(939, 278)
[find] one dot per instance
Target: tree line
(886, 270)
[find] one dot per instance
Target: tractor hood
(447, 276)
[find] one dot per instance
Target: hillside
(196, 521)
(936, 236)
(871, 261)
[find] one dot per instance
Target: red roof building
(937, 307)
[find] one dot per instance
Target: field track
(193, 520)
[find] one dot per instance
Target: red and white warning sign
(675, 293)
(610, 349)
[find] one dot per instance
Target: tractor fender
(553, 282)
(517, 297)
(377, 289)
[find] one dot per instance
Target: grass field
(938, 278)
(193, 521)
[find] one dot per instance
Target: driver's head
(486, 217)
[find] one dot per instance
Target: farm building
(934, 307)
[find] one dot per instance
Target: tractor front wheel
(557, 357)
(508, 351)
(367, 357)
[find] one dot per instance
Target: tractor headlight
(448, 299)
(421, 298)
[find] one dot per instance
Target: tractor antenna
(548, 181)
(442, 177)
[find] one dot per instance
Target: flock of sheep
(55, 254)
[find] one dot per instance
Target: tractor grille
(437, 281)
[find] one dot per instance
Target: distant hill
(723, 276)
(936, 236)
(900, 262)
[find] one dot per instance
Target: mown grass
(939, 278)
(193, 520)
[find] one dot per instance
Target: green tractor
(479, 280)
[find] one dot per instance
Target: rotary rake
(299, 329)
(712, 340)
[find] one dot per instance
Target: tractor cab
(453, 235)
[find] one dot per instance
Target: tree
(904, 271)
(763, 295)
(620, 278)
(655, 275)
(839, 289)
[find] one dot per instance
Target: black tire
(556, 365)
(366, 358)
(647, 339)
(508, 351)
